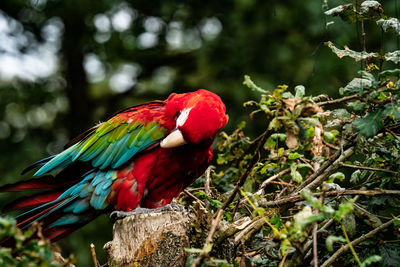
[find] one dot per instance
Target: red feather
(33, 201)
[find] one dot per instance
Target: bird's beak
(174, 139)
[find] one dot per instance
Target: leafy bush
(321, 180)
(28, 248)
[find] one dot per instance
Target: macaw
(143, 156)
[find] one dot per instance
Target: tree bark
(150, 239)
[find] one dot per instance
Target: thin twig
(270, 179)
(318, 172)
(208, 241)
(93, 252)
(315, 244)
(353, 251)
(207, 186)
(344, 248)
(332, 168)
(367, 168)
(283, 259)
(339, 100)
(201, 203)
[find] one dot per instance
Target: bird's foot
(122, 214)
(170, 207)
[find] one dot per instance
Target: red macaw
(144, 156)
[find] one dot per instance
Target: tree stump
(152, 239)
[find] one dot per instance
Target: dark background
(66, 65)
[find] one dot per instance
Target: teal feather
(95, 150)
(86, 191)
(65, 220)
(98, 201)
(60, 160)
(126, 156)
(100, 176)
(77, 207)
(111, 156)
(120, 150)
(62, 204)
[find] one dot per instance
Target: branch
(207, 243)
(343, 249)
(93, 252)
(367, 168)
(296, 198)
(339, 100)
(270, 179)
(318, 172)
(332, 168)
(260, 140)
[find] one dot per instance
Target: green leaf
(393, 56)
(390, 24)
(336, 176)
(300, 91)
(357, 105)
(270, 143)
(306, 194)
(357, 85)
(281, 136)
(357, 56)
(370, 124)
(296, 176)
(355, 177)
(249, 83)
(390, 254)
(344, 209)
(333, 239)
(294, 155)
(396, 221)
(387, 73)
(329, 137)
(371, 259)
(392, 110)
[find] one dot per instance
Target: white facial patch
(183, 117)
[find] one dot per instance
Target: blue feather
(65, 220)
(126, 156)
(61, 159)
(62, 204)
(94, 151)
(100, 176)
(121, 149)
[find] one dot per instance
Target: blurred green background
(66, 65)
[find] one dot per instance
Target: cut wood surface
(150, 239)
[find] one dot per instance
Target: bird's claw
(122, 214)
(170, 207)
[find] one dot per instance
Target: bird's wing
(114, 142)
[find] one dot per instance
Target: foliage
(102, 56)
(210, 44)
(27, 251)
(323, 167)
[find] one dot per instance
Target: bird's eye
(183, 117)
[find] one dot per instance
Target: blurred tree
(66, 64)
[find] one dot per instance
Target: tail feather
(36, 164)
(34, 201)
(65, 203)
(56, 233)
(44, 183)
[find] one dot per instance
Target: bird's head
(198, 116)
